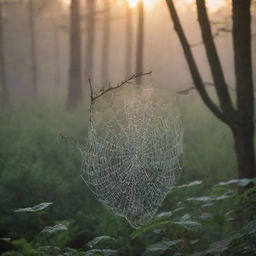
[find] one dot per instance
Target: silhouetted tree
(128, 43)
(140, 41)
(90, 38)
(239, 118)
(57, 55)
(105, 41)
(4, 92)
(74, 86)
(33, 59)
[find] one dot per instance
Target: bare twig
(91, 91)
(216, 33)
(186, 91)
(101, 92)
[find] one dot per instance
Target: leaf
(217, 247)
(188, 225)
(191, 184)
(164, 214)
(145, 229)
(205, 215)
(54, 229)
(185, 217)
(209, 198)
(99, 239)
(250, 228)
(49, 250)
(178, 209)
(103, 252)
(36, 208)
(160, 247)
(207, 205)
(240, 182)
(194, 241)
(6, 239)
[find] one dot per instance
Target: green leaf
(150, 227)
(100, 239)
(103, 252)
(240, 182)
(191, 184)
(164, 215)
(160, 248)
(209, 198)
(250, 228)
(217, 247)
(188, 225)
(36, 208)
(54, 229)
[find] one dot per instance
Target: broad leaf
(191, 184)
(160, 248)
(164, 214)
(209, 198)
(217, 247)
(36, 208)
(250, 228)
(99, 239)
(240, 182)
(188, 225)
(103, 252)
(54, 229)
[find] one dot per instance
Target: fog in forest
(162, 55)
(127, 127)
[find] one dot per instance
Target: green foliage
(37, 166)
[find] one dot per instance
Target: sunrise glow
(149, 4)
(212, 5)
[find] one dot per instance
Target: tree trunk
(105, 42)
(56, 57)
(140, 42)
(33, 63)
(244, 132)
(75, 86)
(240, 119)
(90, 39)
(128, 43)
(244, 149)
(4, 92)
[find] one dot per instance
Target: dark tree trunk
(4, 92)
(75, 86)
(33, 63)
(105, 42)
(244, 149)
(244, 130)
(140, 42)
(128, 43)
(239, 119)
(90, 38)
(56, 57)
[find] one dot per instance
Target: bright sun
(149, 4)
(212, 5)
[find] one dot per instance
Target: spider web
(132, 156)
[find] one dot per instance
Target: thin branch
(216, 34)
(214, 61)
(91, 91)
(186, 91)
(103, 91)
(194, 71)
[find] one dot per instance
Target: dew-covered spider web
(132, 156)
